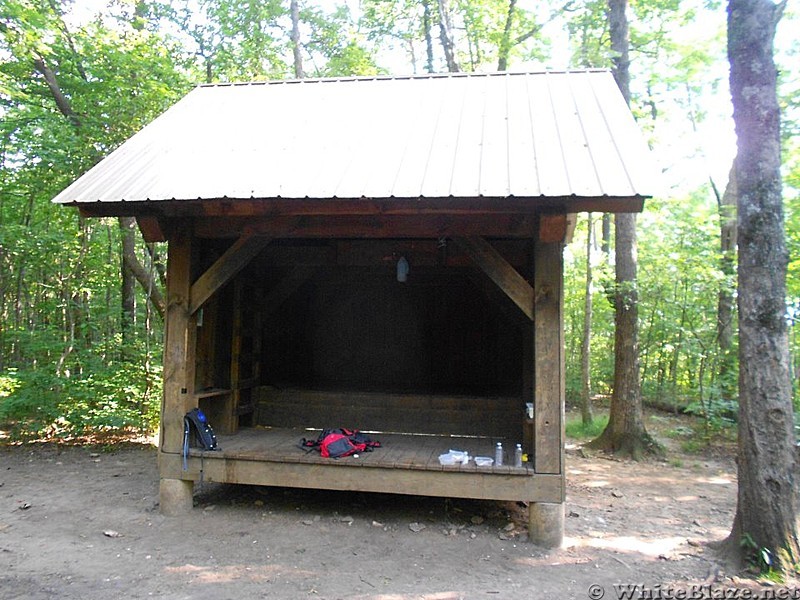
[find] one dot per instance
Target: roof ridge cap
(416, 76)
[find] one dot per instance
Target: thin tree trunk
(144, 277)
(428, 26)
(446, 36)
(586, 383)
(505, 43)
(128, 281)
(766, 512)
(295, 37)
(625, 433)
(725, 301)
(605, 246)
(157, 263)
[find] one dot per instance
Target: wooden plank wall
(494, 417)
(357, 328)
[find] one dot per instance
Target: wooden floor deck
(397, 451)
(405, 464)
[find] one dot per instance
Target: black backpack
(195, 422)
(197, 432)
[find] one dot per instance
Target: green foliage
(480, 36)
(679, 280)
(576, 429)
(107, 396)
(758, 557)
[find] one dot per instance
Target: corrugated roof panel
(551, 169)
(574, 150)
(493, 176)
(629, 143)
(421, 132)
(606, 165)
(387, 137)
(442, 159)
(523, 166)
(465, 175)
(497, 135)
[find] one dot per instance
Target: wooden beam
(553, 228)
(491, 262)
(178, 344)
(227, 266)
(151, 228)
(548, 343)
(283, 207)
(340, 476)
(372, 226)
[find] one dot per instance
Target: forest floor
(82, 522)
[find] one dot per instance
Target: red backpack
(335, 443)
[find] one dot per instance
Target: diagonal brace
(227, 266)
(498, 269)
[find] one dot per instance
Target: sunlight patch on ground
(562, 559)
(721, 480)
(231, 573)
(436, 596)
(597, 483)
(654, 547)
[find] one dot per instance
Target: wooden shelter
(382, 254)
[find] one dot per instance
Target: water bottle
(498, 454)
(518, 455)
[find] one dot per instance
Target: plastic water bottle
(518, 455)
(498, 454)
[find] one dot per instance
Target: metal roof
(499, 135)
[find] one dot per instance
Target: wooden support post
(179, 367)
(546, 520)
(548, 343)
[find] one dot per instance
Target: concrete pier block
(546, 524)
(175, 496)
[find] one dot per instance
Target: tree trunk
(725, 300)
(132, 271)
(128, 281)
(625, 433)
(427, 25)
(446, 37)
(766, 512)
(586, 384)
(605, 246)
(295, 37)
(505, 43)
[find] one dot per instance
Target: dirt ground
(83, 523)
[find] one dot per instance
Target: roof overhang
(395, 148)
